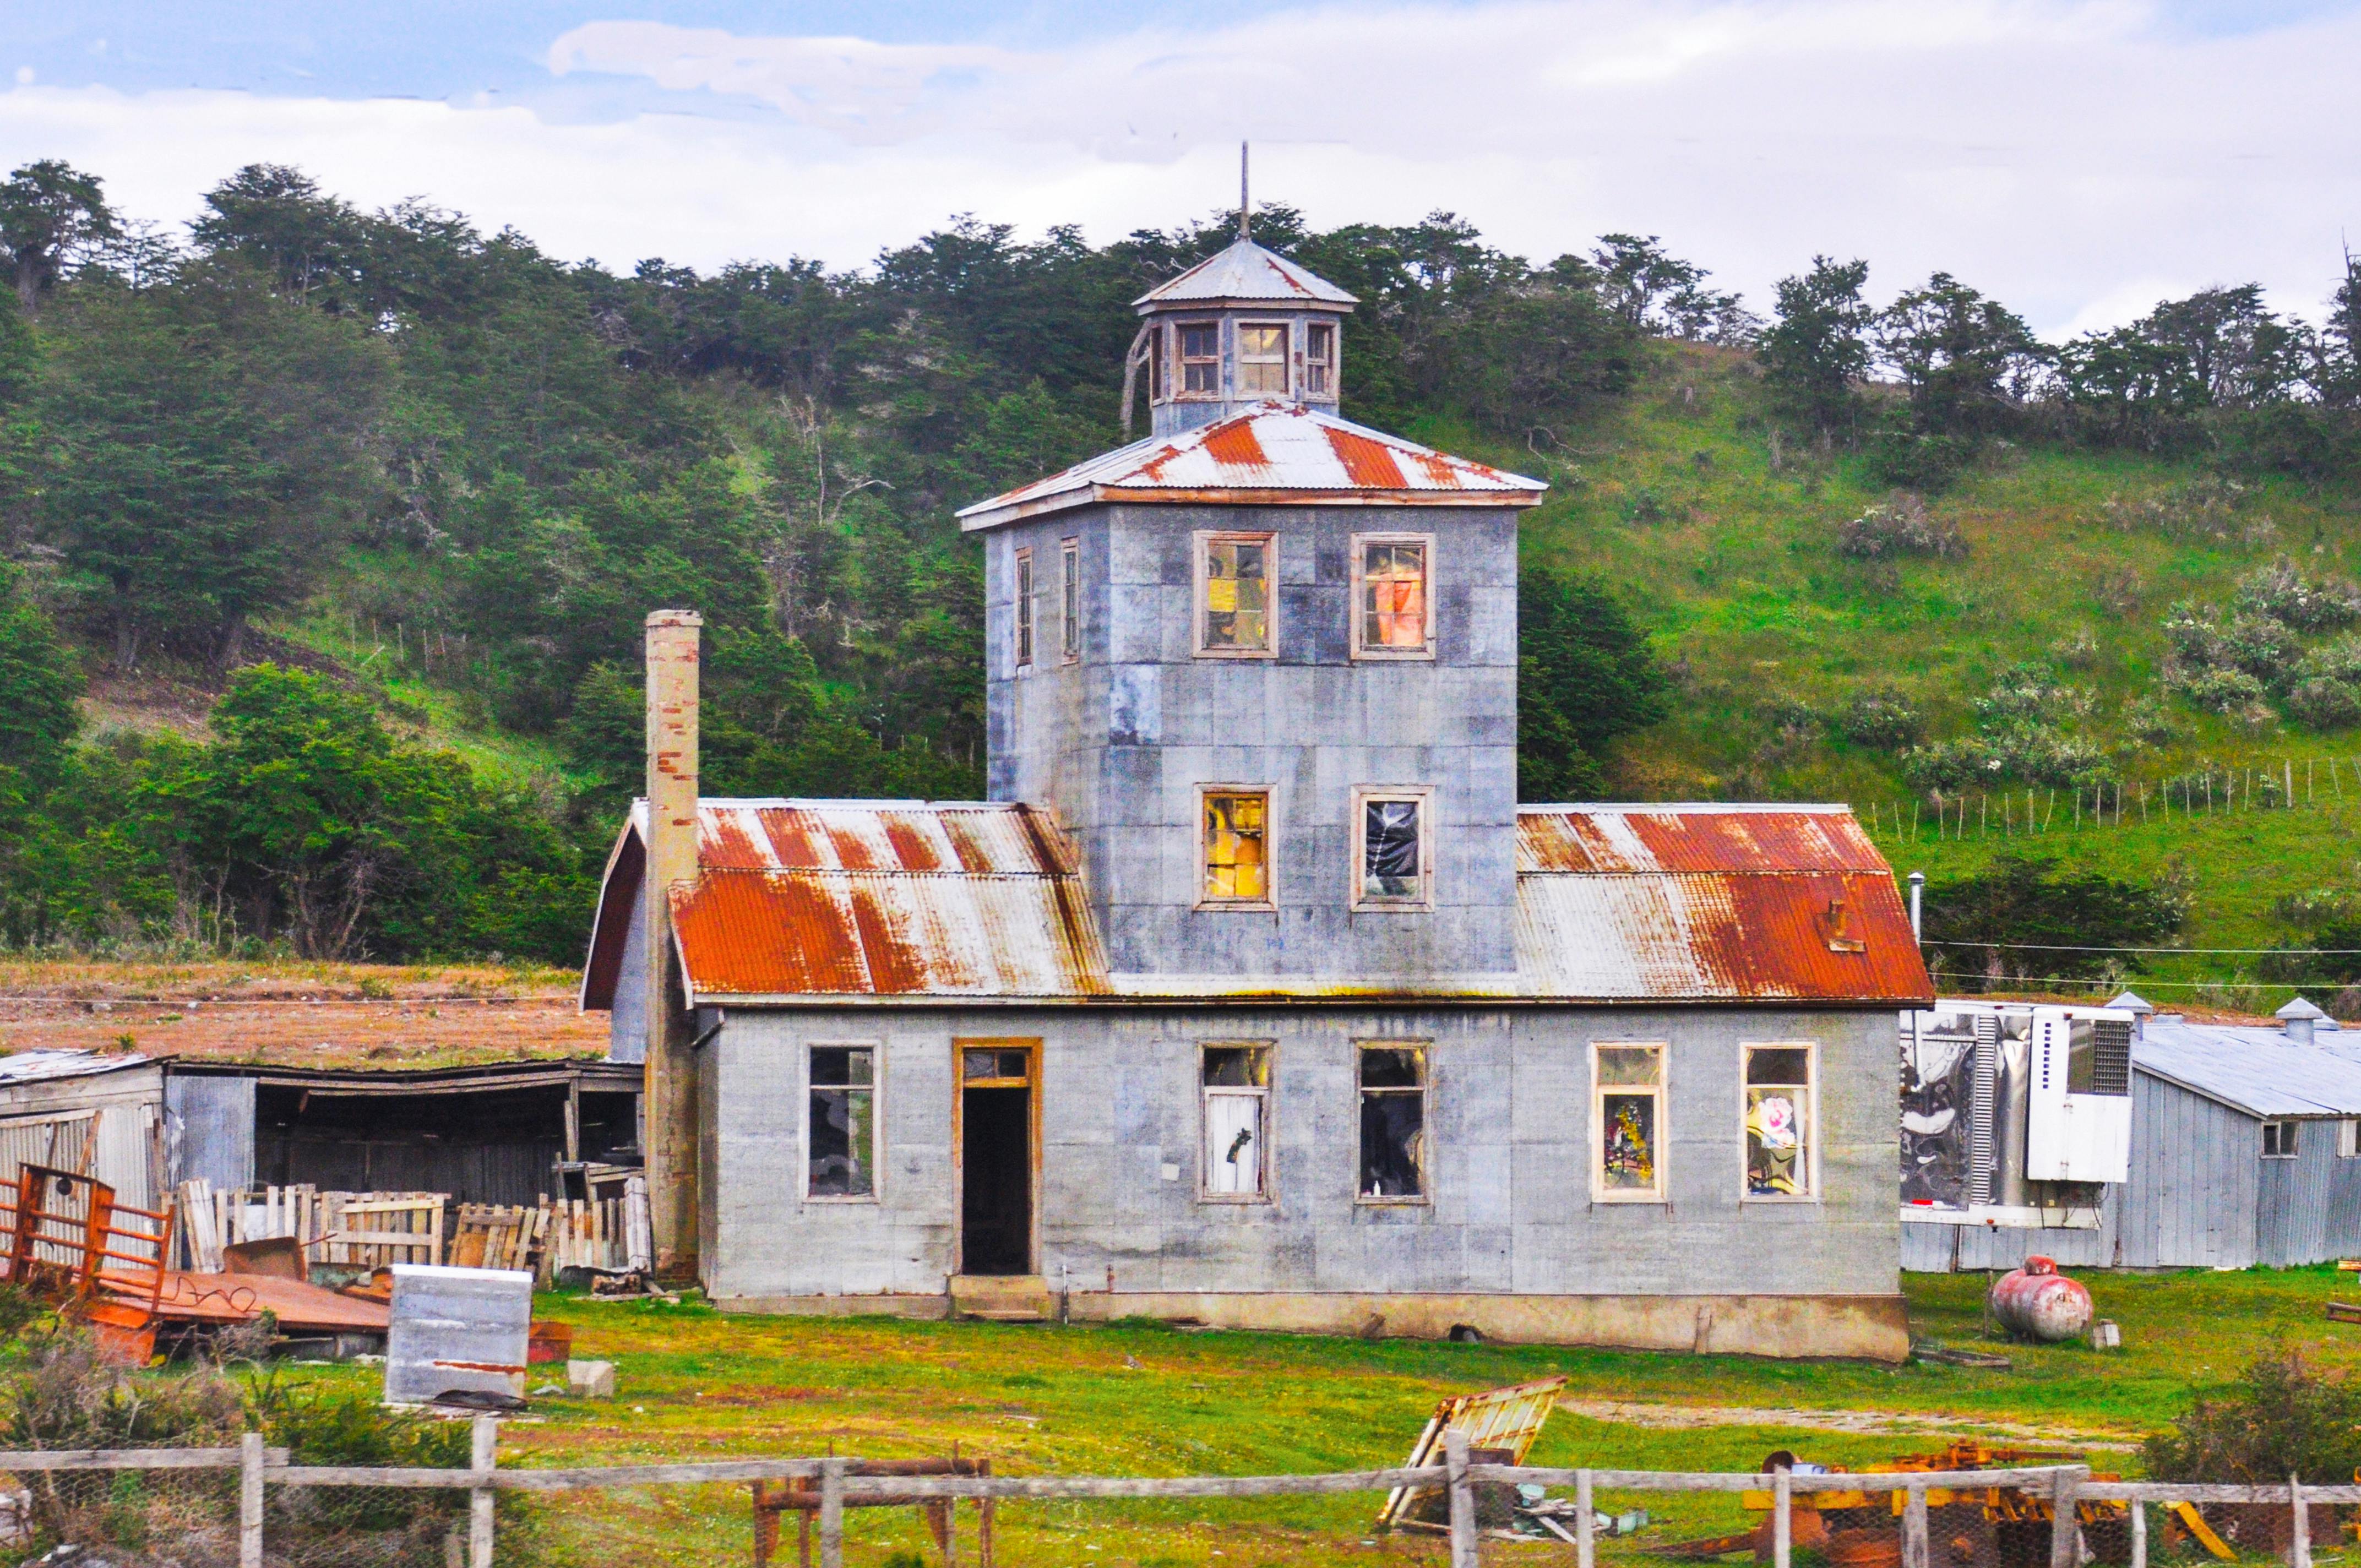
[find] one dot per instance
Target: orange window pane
(1237, 595)
(1235, 866)
(1393, 597)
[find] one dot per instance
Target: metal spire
(1244, 206)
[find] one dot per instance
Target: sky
(2079, 160)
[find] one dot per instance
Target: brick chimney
(669, 1097)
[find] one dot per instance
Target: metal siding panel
(212, 1130)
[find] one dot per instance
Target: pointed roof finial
(1244, 206)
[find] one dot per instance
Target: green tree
(51, 215)
(2022, 918)
(1967, 360)
(1585, 677)
(1815, 347)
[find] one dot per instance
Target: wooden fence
(2066, 1485)
(372, 1229)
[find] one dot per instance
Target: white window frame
(1364, 796)
(1070, 600)
(1269, 902)
(2292, 1134)
(876, 1193)
(1201, 561)
(1361, 542)
(1335, 340)
(1205, 1095)
(1022, 633)
(1180, 392)
(1424, 1196)
(1660, 1091)
(2348, 1138)
(1811, 1086)
(1285, 359)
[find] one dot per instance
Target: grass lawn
(1147, 1400)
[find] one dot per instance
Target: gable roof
(1248, 274)
(1275, 453)
(801, 900)
(2258, 1070)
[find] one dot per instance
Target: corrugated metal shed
(1248, 274)
(1275, 453)
(1658, 903)
(1622, 903)
(2258, 1070)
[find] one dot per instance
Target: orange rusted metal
(99, 1262)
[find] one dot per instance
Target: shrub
(1902, 526)
(1883, 717)
(2200, 510)
(2031, 693)
(2280, 1418)
(1920, 460)
(2147, 721)
(2215, 690)
(2283, 594)
(2326, 693)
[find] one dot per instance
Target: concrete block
(590, 1379)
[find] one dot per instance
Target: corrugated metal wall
(212, 1130)
(2192, 1196)
(2308, 1209)
(115, 1144)
(1939, 1249)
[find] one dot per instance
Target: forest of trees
(300, 411)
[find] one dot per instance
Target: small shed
(81, 1111)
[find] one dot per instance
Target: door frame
(1031, 1083)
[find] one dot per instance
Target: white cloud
(2061, 155)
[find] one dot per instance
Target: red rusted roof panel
(1639, 838)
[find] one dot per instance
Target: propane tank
(2036, 1302)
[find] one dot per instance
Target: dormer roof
(1274, 454)
(1246, 274)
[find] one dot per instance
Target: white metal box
(2079, 1104)
(456, 1330)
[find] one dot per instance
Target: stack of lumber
(362, 1230)
(492, 1235)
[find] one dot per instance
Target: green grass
(1135, 1398)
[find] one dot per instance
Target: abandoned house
(1252, 996)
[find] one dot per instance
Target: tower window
(1393, 1122)
(1070, 600)
(1236, 846)
(1237, 1119)
(1391, 597)
(1262, 360)
(1392, 869)
(1233, 573)
(1024, 608)
(1319, 360)
(1201, 358)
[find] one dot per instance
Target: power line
(2194, 952)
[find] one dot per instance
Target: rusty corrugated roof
(1247, 273)
(1275, 453)
(1710, 904)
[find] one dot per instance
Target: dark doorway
(996, 1180)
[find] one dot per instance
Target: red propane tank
(2036, 1302)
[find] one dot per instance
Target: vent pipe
(668, 1100)
(1917, 893)
(2300, 1017)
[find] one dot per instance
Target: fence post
(2139, 1532)
(483, 1453)
(249, 1500)
(1463, 1498)
(2065, 1529)
(1586, 1531)
(1783, 1522)
(1914, 1527)
(831, 1512)
(2299, 1533)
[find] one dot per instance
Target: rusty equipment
(2036, 1302)
(801, 1497)
(1501, 1420)
(94, 1260)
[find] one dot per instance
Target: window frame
(2348, 1138)
(1363, 901)
(1424, 1048)
(1811, 1139)
(1021, 630)
(1201, 561)
(876, 1193)
(1284, 360)
(1070, 600)
(1181, 361)
(1323, 370)
(1205, 1093)
(2288, 1138)
(1660, 1092)
(1361, 542)
(1269, 903)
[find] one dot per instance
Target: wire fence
(251, 1507)
(2180, 799)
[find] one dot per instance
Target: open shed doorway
(998, 1125)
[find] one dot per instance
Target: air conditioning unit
(2077, 1125)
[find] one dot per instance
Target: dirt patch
(1881, 1422)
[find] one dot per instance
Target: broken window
(1233, 572)
(1779, 1121)
(1392, 865)
(1393, 1121)
(1070, 600)
(1393, 596)
(2278, 1139)
(2348, 1138)
(1024, 607)
(1319, 359)
(1237, 1110)
(1237, 859)
(842, 1136)
(1201, 358)
(1262, 361)
(1628, 1099)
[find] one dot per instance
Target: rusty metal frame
(1515, 1414)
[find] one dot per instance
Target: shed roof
(1246, 272)
(904, 899)
(39, 1066)
(1275, 453)
(2258, 1070)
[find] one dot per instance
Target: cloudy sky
(2078, 159)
